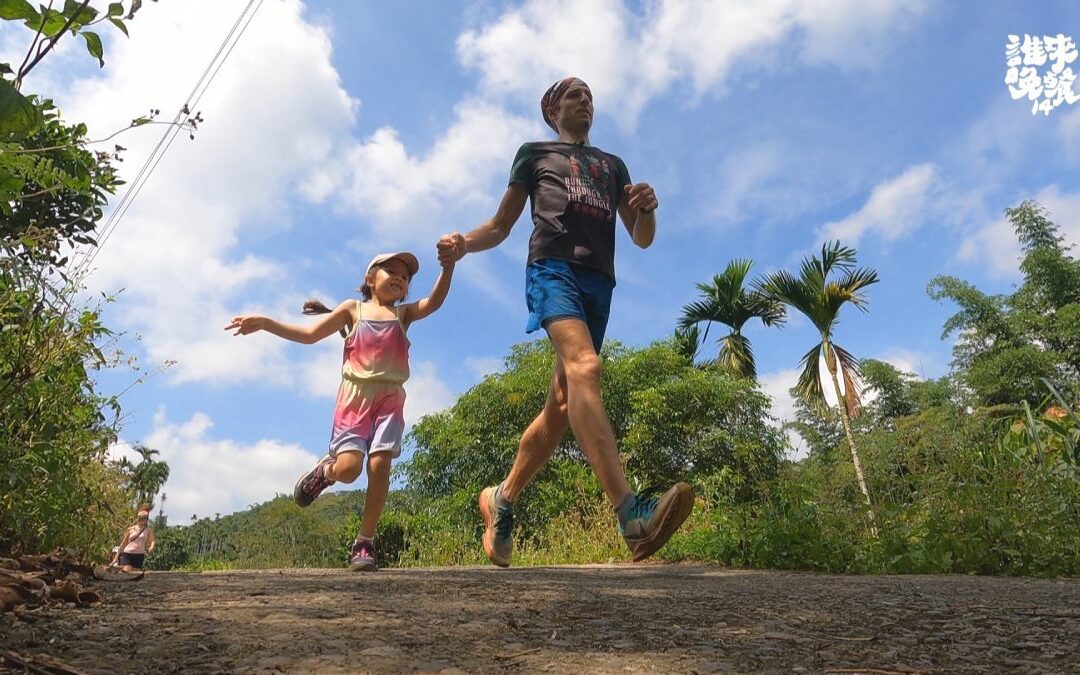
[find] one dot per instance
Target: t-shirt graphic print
(574, 191)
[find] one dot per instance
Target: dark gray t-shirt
(574, 191)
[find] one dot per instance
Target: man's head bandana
(550, 102)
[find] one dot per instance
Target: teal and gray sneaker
(651, 521)
(499, 525)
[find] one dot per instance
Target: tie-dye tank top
(376, 350)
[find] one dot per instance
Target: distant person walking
(138, 541)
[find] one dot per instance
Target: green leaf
(5, 69)
(82, 16)
(11, 185)
(54, 21)
(116, 9)
(18, 116)
(13, 10)
(1034, 431)
(93, 45)
(119, 24)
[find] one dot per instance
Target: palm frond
(701, 311)
(855, 281)
(769, 310)
(808, 387)
(688, 342)
(801, 293)
(852, 374)
(833, 255)
(736, 357)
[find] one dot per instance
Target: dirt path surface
(611, 618)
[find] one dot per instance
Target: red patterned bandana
(552, 97)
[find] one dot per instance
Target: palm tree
(148, 475)
(727, 301)
(820, 300)
(688, 342)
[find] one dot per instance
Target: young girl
(368, 418)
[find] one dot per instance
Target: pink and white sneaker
(362, 557)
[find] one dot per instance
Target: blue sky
(340, 129)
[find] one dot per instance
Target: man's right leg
(535, 448)
(540, 439)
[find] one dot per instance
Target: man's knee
(585, 368)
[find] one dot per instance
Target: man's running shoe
(499, 524)
(651, 521)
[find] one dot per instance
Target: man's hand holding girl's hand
(451, 248)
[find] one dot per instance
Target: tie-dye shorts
(369, 417)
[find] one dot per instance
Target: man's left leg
(646, 523)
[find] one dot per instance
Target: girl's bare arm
(414, 311)
(310, 334)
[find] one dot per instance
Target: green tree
(892, 393)
(821, 300)
(1006, 344)
(56, 485)
(822, 432)
(726, 300)
(671, 420)
(145, 478)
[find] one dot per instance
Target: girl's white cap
(404, 256)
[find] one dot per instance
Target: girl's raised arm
(414, 311)
(310, 334)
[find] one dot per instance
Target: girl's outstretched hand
(245, 325)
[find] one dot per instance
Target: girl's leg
(375, 497)
(346, 467)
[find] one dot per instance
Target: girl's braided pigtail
(315, 306)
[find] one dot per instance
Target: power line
(201, 86)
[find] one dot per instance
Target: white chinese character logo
(1046, 90)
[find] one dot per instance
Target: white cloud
(526, 49)
(742, 179)
(407, 197)
(426, 393)
(322, 372)
(210, 475)
(895, 208)
(994, 247)
(777, 385)
(272, 116)
(921, 364)
(628, 59)
(482, 366)
(854, 33)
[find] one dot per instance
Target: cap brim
(410, 261)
